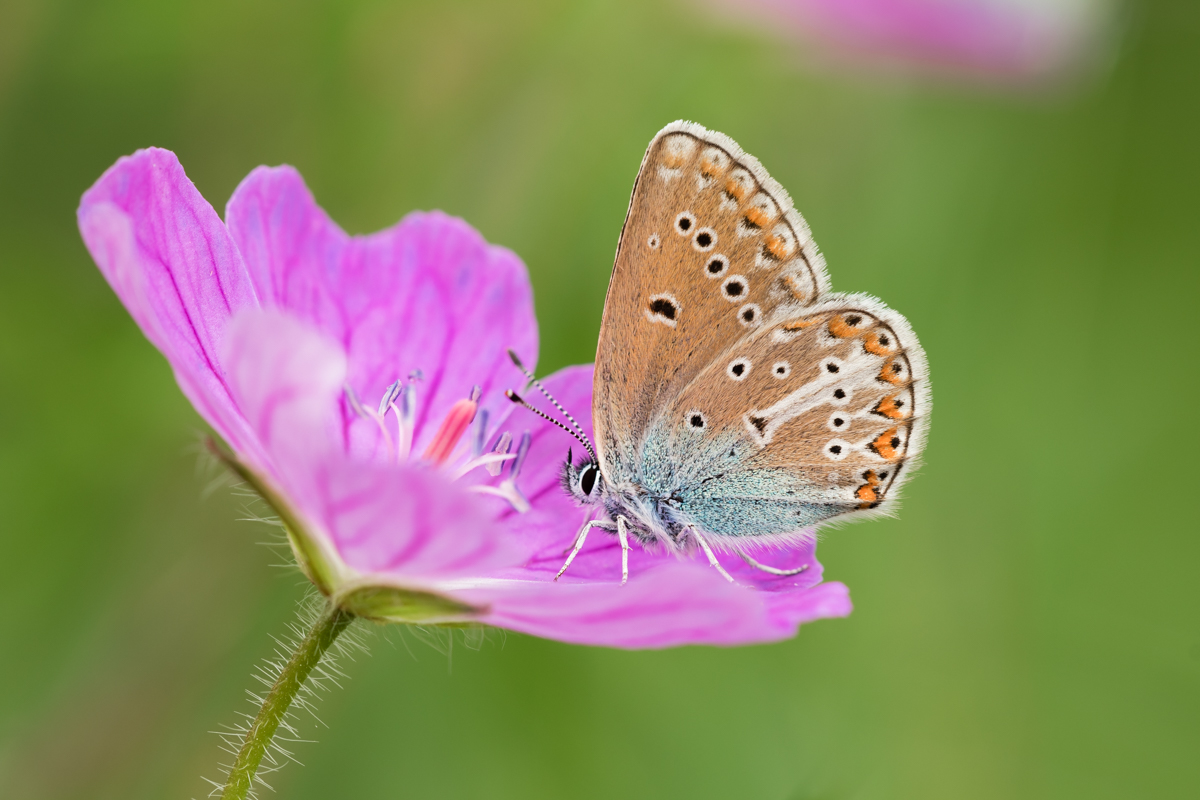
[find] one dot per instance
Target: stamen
(389, 395)
(501, 447)
(355, 405)
(378, 419)
(508, 487)
(453, 427)
(404, 420)
(491, 460)
(480, 437)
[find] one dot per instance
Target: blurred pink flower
(1004, 39)
(359, 383)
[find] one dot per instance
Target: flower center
(400, 400)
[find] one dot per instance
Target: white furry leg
(624, 538)
(712, 559)
(580, 538)
(772, 570)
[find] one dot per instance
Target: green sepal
(412, 606)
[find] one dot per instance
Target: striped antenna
(542, 389)
(516, 398)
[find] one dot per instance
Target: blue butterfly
(738, 403)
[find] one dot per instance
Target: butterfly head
(582, 480)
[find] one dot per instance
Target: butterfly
(738, 403)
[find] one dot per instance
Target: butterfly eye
(749, 315)
(685, 222)
(738, 369)
(716, 267)
(705, 240)
(781, 369)
(837, 449)
(653, 242)
(587, 478)
(735, 287)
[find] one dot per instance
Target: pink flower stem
(308, 654)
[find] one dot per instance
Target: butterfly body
(737, 401)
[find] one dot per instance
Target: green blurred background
(1027, 627)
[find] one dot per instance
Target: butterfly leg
(712, 559)
(624, 538)
(772, 570)
(580, 539)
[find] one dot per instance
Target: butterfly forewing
(710, 250)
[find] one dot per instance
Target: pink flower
(359, 383)
(1004, 39)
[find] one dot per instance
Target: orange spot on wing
(757, 217)
(844, 326)
(881, 344)
(800, 324)
(778, 247)
(795, 289)
(868, 493)
(885, 444)
(708, 168)
(672, 160)
(892, 407)
(893, 371)
(736, 190)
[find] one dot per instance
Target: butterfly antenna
(516, 398)
(543, 390)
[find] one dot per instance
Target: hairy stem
(329, 625)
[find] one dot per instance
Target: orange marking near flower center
(453, 427)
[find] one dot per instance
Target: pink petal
(402, 522)
(166, 254)
(673, 603)
(428, 294)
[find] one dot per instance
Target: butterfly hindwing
(710, 249)
(817, 414)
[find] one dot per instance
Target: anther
(405, 415)
(453, 427)
(389, 396)
(508, 487)
(480, 434)
(500, 449)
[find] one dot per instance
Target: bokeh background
(1026, 628)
